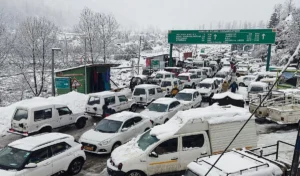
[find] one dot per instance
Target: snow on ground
(74, 100)
(243, 91)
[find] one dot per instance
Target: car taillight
(81, 147)
(25, 133)
(11, 130)
(120, 166)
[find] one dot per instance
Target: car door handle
(46, 164)
(174, 158)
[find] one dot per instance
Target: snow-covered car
(43, 116)
(117, 102)
(244, 81)
(45, 154)
(208, 71)
(162, 110)
(170, 147)
(189, 80)
(169, 84)
(190, 98)
(207, 88)
(162, 75)
(256, 88)
(242, 70)
(146, 93)
(199, 72)
(223, 75)
(218, 82)
(113, 131)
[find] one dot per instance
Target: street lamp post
(53, 84)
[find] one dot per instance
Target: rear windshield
(220, 76)
(21, 114)
(183, 77)
(256, 89)
(166, 84)
(204, 85)
(159, 76)
(139, 91)
(94, 100)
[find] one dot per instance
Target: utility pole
(52, 68)
(85, 59)
(139, 55)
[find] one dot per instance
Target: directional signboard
(243, 36)
(62, 83)
(155, 64)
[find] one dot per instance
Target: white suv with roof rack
(189, 80)
(42, 155)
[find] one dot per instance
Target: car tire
(135, 173)
(47, 129)
(166, 120)
(75, 166)
(80, 123)
(116, 145)
(133, 108)
(242, 85)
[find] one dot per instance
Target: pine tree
(274, 21)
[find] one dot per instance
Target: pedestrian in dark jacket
(105, 109)
(234, 87)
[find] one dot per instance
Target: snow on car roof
(208, 80)
(164, 72)
(228, 94)
(164, 100)
(31, 142)
(141, 76)
(250, 165)
(122, 116)
(104, 93)
(146, 86)
(188, 91)
(214, 114)
(185, 74)
(37, 103)
(258, 84)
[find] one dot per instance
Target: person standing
(105, 109)
(225, 86)
(234, 87)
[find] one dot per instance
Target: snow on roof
(191, 91)
(146, 86)
(258, 84)
(173, 68)
(164, 72)
(122, 116)
(37, 103)
(141, 76)
(214, 114)
(228, 94)
(225, 69)
(250, 165)
(164, 100)
(104, 93)
(32, 142)
(208, 80)
(185, 74)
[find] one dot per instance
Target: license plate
(163, 89)
(88, 148)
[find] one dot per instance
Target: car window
(93, 100)
(42, 114)
(159, 90)
(122, 98)
(39, 155)
(137, 119)
(129, 123)
(167, 76)
(151, 91)
(110, 100)
(195, 95)
(64, 111)
(192, 142)
(139, 91)
(59, 148)
(20, 114)
(169, 146)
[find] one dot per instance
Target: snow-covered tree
(274, 21)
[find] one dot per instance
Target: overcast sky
(173, 14)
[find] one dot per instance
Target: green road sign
(62, 83)
(243, 36)
(155, 64)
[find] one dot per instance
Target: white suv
(42, 155)
(189, 80)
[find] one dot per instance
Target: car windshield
(159, 75)
(139, 91)
(93, 100)
(21, 114)
(184, 96)
(256, 89)
(183, 77)
(12, 158)
(146, 140)
(204, 85)
(165, 84)
(108, 126)
(220, 76)
(190, 173)
(158, 107)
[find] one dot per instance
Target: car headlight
(105, 142)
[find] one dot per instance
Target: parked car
(223, 75)
(199, 72)
(190, 98)
(189, 80)
(117, 101)
(207, 88)
(209, 71)
(256, 88)
(168, 84)
(45, 154)
(242, 70)
(175, 70)
(162, 110)
(146, 93)
(114, 131)
(162, 75)
(170, 147)
(218, 82)
(244, 81)
(43, 116)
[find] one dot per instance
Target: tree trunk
(34, 71)
(104, 52)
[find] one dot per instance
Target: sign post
(268, 57)
(170, 56)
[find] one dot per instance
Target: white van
(170, 147)
(162, 75)
(144, 94)
(117, 102)
(199, 72)
(43, 116)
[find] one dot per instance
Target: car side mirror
(153, 154)
(31, 165)
(124, 129)
(71, 112)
